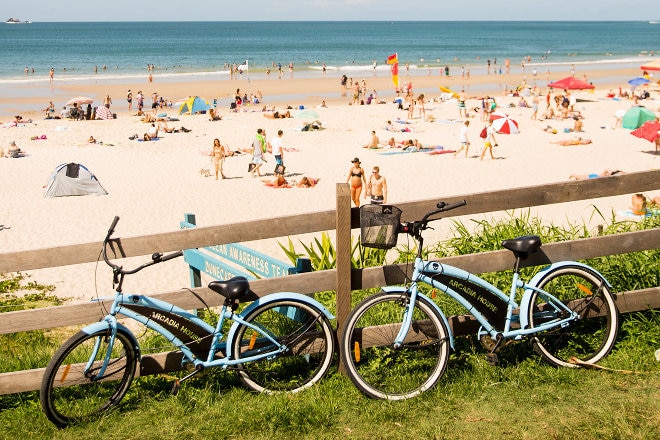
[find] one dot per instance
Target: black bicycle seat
(232, 289)
(524, 245)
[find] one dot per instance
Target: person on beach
(569, 142)
(140, 101)
(14, 151)
(462, 109)
(278, 182)
(107, 101)
(50, 110)
(258, 150)
(278, 148)
(377, 187)
(463, 139)
(218, 157)
(422, 109)
(52, 74)
(129, 99)
(356, 178)
(489, 141)
(605, 173)
(307, 182)
(374, 142)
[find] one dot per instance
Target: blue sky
(277, 10)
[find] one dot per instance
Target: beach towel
(649, 213)
(152, 139)
(404, 151)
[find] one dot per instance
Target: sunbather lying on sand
(577, 141)
(604, 173)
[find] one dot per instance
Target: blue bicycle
(395, 344)
(281, 342)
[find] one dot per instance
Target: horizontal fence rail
(343, 279)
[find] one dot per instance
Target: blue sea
(120, 51)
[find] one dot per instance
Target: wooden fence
(342, 279)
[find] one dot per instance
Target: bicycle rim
(70, 393)
(377, 368)
(306, 333)
(589, 338)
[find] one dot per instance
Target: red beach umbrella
(653, 65)
(571, 83)
(502, 123)
(649, 130)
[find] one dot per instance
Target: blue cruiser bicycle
(280, 342)
(395, 344)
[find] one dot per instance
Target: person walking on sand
(129, 99)
(218, 157)
(278, 148)
(356, 178)
(489, 141)
(258, 150)
(463, 139)
(377, 187)
(52, 74)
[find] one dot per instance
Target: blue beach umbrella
(639, 81)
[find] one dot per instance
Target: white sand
(152, 184)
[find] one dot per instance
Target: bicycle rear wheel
(303, 329)
(379, 369)
(592, 336)
(71, 392)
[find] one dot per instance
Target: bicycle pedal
(493, 359)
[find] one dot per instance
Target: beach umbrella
(193, 105)
(653, 65)
(636, 116)
(639, 81)
(502, 123)
(307, 114)
(571, 83)
(649, 130)
(79, 100)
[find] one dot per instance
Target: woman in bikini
(356, 178)
(218, 155)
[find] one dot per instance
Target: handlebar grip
(174, 255)
(111, 230)
(454, 205)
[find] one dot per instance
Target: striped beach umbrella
(502, 123)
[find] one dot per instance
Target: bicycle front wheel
(589, 338)
(383, 371)
(305, 332)
(71, 390)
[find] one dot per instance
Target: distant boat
(654, 22)
(17, 21)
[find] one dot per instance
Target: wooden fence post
(343, 262)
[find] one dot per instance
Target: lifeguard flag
(395, 74)
(393, 59)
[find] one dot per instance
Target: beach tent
(73, 179)
(636, 116)
(193, 105)
(653, 65)
(103, 112)
(571, 83)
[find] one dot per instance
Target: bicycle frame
(492, 308)
(197, 340)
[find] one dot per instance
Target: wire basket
(379, 226)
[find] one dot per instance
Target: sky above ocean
(311, 10)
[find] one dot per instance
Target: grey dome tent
(73, 179)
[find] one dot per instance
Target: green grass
(521, 398)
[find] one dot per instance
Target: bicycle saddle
(523, 245)
(232, 289)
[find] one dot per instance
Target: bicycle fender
(107, 325)
(276, 297)
(527, 296)
(397, 289)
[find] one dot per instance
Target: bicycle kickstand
(177, 383)
(492, 357)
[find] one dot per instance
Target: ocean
(80, 52)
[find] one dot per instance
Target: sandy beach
(152, 184)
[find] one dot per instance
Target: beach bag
(484, 133)
(279, 169)
(251, 166)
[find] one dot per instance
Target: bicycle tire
(81, 399)
(377, 368)
(306, 332)
(589, 338)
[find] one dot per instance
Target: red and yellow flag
(394, 61)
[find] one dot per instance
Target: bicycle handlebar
(415, 227)
(118, 270)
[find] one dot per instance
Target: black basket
(379, 226)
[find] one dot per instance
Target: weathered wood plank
(313, 282)
(160, 363)
(491, 201)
